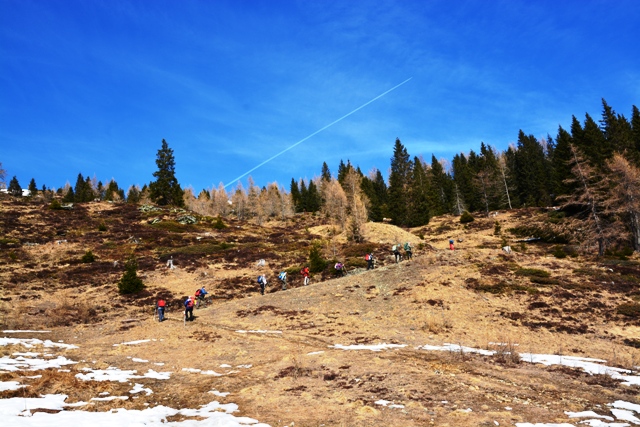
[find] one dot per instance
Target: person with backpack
(188, 309)
(262, 281)
(283, 279)
(160, 307)
(369, 258)
(451, 247)
(305, 274)
(396, 252)
(200, 296)
(408, 250)
(339, 267)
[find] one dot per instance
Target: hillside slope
(346, 351)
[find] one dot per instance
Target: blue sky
(94, 86)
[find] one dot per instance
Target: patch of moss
(629, 309)
(201, 249)
(532, 272)
(174, 227)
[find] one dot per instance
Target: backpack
(367, 257)
(161, 303)
(394, 248)
(198, 292)
(282, 276)
(338, 266)
(260, 280)
(407, 247)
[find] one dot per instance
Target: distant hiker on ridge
(396, 252)
(283, 279)
(339, 269)
(188, 309)
(262, 281)
(305, 274)
(160, 307)
(408, 250)
(369, 258)
(200, 295)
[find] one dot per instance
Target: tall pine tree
(166, 190)
(398, 184)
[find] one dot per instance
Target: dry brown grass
(430, 300)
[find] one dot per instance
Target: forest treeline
(590, 171)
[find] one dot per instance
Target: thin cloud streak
(316, 132)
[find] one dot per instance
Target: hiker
(451, 244)
(305, 275)
(160, 306)
(396, 252)
(262, 281)
(200, 295)
(408, 250)
(188, 309)
(369, 258)
(339, 269)
(283, 278)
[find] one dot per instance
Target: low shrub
(316, 263)
(55, 205)
(466, 217)
(130, 283)
(102, 227)
(497, 228)
(88, 257)
(218, 224)
(558, 252)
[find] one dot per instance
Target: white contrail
(315, 133)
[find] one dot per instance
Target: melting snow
(32, 342)
(115, 374)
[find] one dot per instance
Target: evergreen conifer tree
(418, 195)
(326, 173)
(79, 189)
(440, 189)
(89, 194)
(70, 196)
(313, 198)
(130, 283)
(166, 190)
(133, 195)
(33, 189)
(296, 198)
(634, 156)
(304, 197)
(561, 163)
(112, 193)
(14, 187)
(398, 183)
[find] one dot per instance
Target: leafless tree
(504, 172)
(357, 203)
(220, 201)
(334, 207)
(624, 197)
(3, 174)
